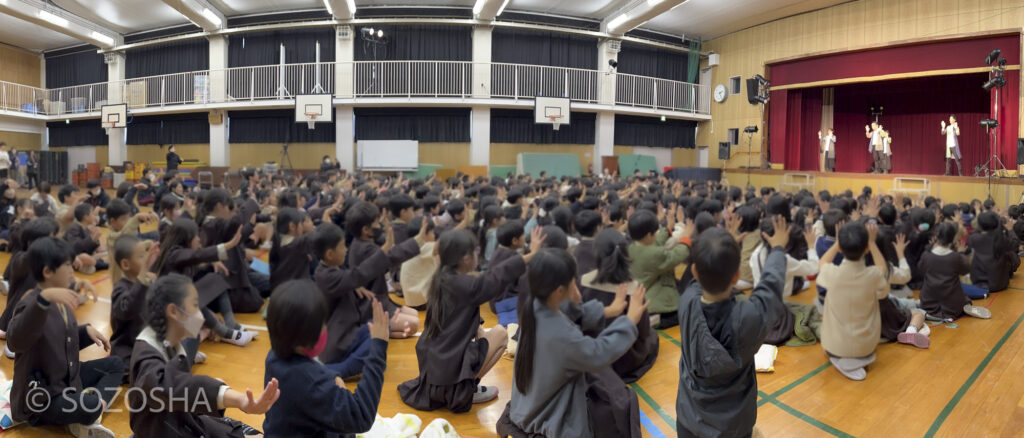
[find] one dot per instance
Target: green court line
(654, 405)
(797, 382)
(970, 380)
(670, 338)
(810, 420)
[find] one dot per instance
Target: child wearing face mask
(296, 318)
(166, 398)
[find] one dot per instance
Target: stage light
(371, 31)
(992, 56)
(662, 118)
(989, 123)
(750, 129)
(380, 33)
(995, 82)
(1002, 62)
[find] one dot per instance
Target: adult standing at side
(828, 149)
(5, 161)
(875, 145)
(173, 160)
(31, 170)
(952, 143)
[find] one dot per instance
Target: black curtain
(176, 57)
(263, 48)
(519, 46)
(427, 125)
(655, 62)
(169, 129)
(83, 67)
(650, 131)
(517, 126)
(275, 126)
(77, 133)
(417, 43)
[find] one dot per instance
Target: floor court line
(654, 405)
(948, 409)
(650, 426)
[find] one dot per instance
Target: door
(610, 162)
(702, 156)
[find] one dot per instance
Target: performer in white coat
(875, 146)
(828, 149)
(952, 143)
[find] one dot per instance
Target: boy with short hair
(511, 237)
(45, 203)
(654, 264)
(134, 258)
(717, 394)
(851, 323)
(122, 223)
(46, 337)
(84, 236)
(830, 219)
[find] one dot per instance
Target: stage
(1005, 191)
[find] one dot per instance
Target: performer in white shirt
(875, 147)
(952, 143)
(828, 149)
(886, 151)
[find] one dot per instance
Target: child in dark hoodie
(718, 394)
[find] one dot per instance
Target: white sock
(911, 329)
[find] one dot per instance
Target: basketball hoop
(555, 118)
(311, 119)
(107, 126)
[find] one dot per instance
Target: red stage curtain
(914, 109)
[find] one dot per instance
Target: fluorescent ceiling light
(479, 6)
(502, 8)
(210, 15)
(60, 21)
(106, 39)
(351, 7)
(617, 21)
(654, 2)
(327, 4)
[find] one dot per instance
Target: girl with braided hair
(166, 399)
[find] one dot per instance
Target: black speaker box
(1020, 151)
(723, 150)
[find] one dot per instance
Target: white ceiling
(713, 18)
(704, 18)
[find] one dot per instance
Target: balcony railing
(364, 80)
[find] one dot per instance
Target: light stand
(286, 161)
(750, 130)
(997, 81)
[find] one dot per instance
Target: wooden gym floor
(967, 383)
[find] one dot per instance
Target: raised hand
(619, 304)
(380, 325)
(901, 244)
(261, 405)
(872, 231)
(537, 237)
(637, 305)
(781, 236)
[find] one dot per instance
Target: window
(734, 136)
(734, 85)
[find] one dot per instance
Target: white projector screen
(388, 154)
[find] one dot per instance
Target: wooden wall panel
(448, 155)
(847, 26)
(19, 66)
(21, 140)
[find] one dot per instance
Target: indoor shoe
(854, 374)
(925, 330)
(200, 357)
(239, 337)
(655, 320)
(485, 394)
(917, 339)
(8, 352)
(977, 312)
(89, 431)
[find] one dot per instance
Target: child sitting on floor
(995, 254)
(654, 264)
(943, 297)
(84, 237)
(851, 324)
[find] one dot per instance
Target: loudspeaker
(723, 150)
(1020, 151)
(752, 88)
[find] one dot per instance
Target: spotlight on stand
(750, 129)
(989, 123)
(992, 56)
(997, 81)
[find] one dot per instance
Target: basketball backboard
(114, 116)
(553, 111)
(313, 108)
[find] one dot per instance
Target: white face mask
(193, 322)
(96, 192)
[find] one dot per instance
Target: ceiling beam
(636, 13)
(341, 9)
(200, 12)
(57, 19)
(487, 10)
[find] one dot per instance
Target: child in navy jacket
(296, 319)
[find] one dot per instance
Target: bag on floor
(6, 420)
(439, 428)
(399, 426)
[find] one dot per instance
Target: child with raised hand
(794, 267)
(610, 249)
(717, 393)
(170, 400)
(655, 258)
(902, 320)
(555, 360)
(943, 297)
(851, 324)
(296, 318)
(134, 258)
(511, 241)
(219, 221)
(181, 253)
(46, 338)
(454, 352)
(291, 247)
(365, 223)
(122, 223)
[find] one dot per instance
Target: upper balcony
(365, 83)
